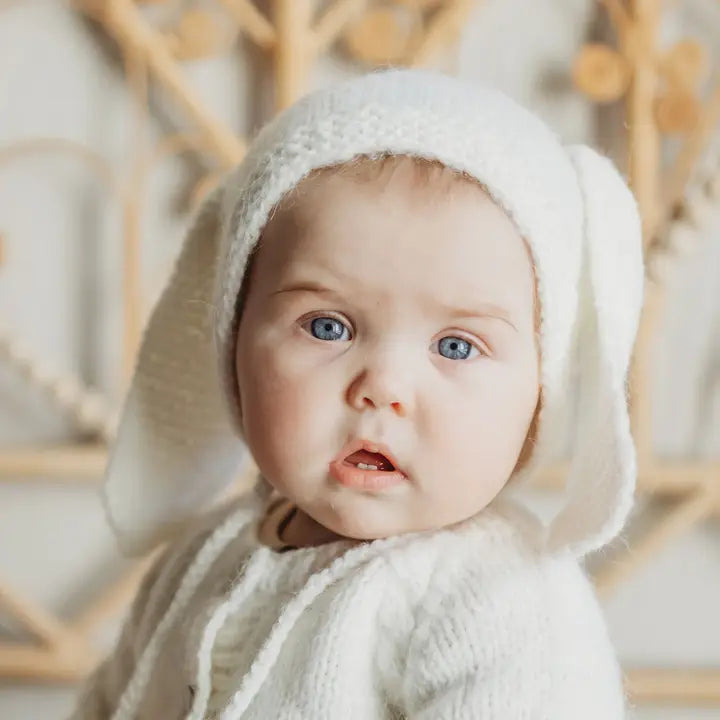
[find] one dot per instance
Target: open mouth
(366, 469)
(366, 460)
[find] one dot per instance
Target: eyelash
(482, 349)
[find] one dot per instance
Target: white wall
(61, 288)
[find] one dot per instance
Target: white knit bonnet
(179, 441)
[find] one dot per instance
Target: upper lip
(374, 447)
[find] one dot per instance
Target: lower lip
(371, 480)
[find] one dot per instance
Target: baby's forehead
(373, 196)
(428, 244)
(330, 200)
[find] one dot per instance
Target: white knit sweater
(469, 622)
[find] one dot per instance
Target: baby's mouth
(366, 460)
(366, 470)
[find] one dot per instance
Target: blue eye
(455, 348)
(328, 328)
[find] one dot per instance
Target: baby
(340, 360)
(381, 304)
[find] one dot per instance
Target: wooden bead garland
(88, 408)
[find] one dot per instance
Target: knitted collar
(180, 442)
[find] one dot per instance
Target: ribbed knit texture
(471, 622)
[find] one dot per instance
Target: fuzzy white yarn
(469, 622)
(179, 441)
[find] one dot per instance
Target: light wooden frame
(637, 25)
(64, 651)
(295, 42)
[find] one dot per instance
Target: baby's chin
(365, 516)
(361, 516)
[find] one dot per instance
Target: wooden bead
(40, 374)
(198, 34)
(677, 111)
(91, 412)
(383, 36)
(66, 391)
(684, 64)
(601, 73)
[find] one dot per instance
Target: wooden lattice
(661, 95)
(661, 92)
(295, 37)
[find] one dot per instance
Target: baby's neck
(303, 531)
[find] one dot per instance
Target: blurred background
(117, 116)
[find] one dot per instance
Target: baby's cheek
(453, 415)
(286, 386)
(261, 396)
(293, 408)
(461, 434)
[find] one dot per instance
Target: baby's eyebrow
(306, 286)
(483, 310)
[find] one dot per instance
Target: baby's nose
(398, 407)
(377, 388)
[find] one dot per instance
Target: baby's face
(388, 312)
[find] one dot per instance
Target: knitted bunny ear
(176, 446)
(603, 467)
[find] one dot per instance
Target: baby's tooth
(364, 466)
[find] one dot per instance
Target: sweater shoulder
(500, 606)
(515, 582)
(499, 564)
